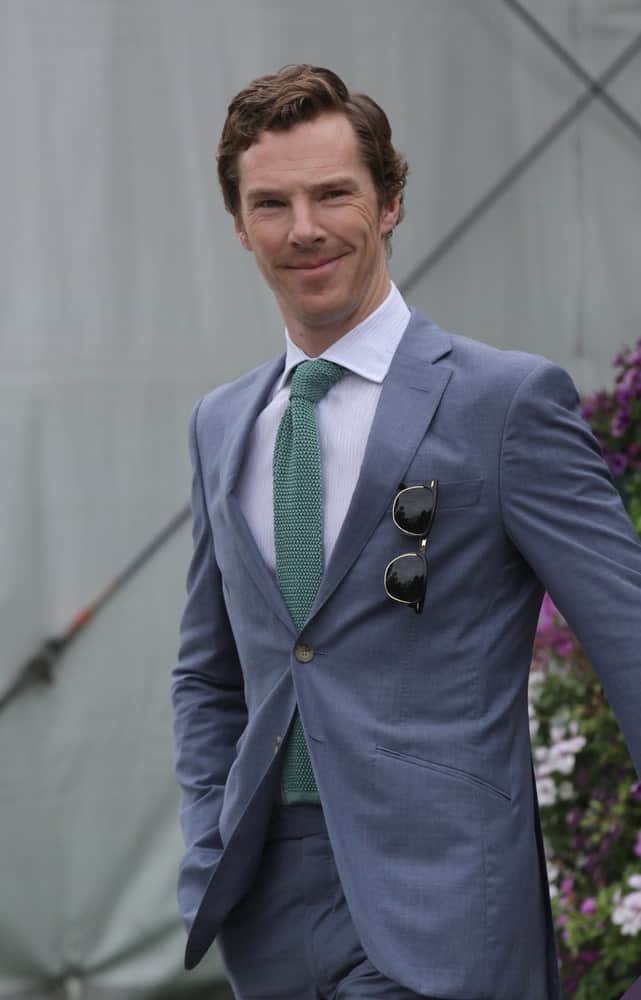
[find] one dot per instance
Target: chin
(324, 303)
(328, 316)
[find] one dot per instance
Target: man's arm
(567, 519)
(208, 700)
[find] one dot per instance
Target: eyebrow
(331, 183)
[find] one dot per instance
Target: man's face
(309, 211)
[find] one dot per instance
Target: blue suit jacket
(417, 725)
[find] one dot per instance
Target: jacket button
(279, 740)
(303, 652)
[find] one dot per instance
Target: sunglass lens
(406, 579)
(413, 509)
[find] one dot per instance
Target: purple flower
(619, 424)
(588, 905)
(617, 462)
(624, 394)
(637, 846)
(627, 378)
(574, 817)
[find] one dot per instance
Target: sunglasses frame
(423, 537)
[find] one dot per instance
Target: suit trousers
(292, 937)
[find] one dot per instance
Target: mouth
(321, 266)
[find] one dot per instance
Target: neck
(315, 339)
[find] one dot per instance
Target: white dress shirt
(344, 419)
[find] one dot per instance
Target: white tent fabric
(123, 297)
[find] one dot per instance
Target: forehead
(303, 154)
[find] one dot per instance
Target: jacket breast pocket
(459, 493)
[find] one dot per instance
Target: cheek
(264, 261)
(265, 237)
(366, 221)
(266, 254)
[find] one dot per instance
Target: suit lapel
(410, 395)
(249, 405)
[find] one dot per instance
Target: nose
(305, 229)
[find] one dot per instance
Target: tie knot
(312, 379)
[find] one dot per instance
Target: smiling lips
(311, 266)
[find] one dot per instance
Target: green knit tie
(298, 535)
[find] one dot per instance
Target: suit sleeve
(566, 518)
(208, 702)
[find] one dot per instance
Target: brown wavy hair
(300, 93)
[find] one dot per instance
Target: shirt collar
(367, 349)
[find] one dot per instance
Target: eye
(268, 203)
(335, 193)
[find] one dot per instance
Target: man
(359, 808)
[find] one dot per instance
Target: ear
(242, 235)
(389, 215)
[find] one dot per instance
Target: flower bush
(588, 791)
(590, 804)
(615, 416)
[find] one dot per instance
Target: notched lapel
(411, 393)
(249, 405)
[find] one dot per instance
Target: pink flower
(553, 634)
(588, 905)
(637, 846)
(563, 645)
(548, 612)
